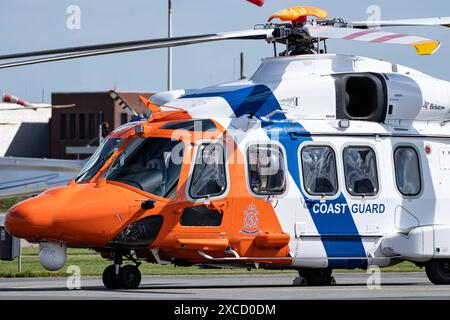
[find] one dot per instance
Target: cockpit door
(206, 185)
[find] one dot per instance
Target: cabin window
(92, 126)
(407, 171)
(81, 126)
(123, 118)
(266, 169)
(319, 171)
(360, 169)
(201, 216)
(72, 126)
(63, 127)
(208, 177)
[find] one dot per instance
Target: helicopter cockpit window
(360, 169)
(407, 171)
(150, 164)
(208, 177)
(98, 159)
(319, 171)
(266, 169)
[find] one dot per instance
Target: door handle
(148, 204)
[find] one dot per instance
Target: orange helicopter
(111, 209)
(248, 174)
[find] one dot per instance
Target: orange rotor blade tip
(298, 14)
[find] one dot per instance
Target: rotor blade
(88, 48)
(61, 106)
(119, 47)
(443, 21)
(423, 46)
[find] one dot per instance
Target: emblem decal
(251, 220)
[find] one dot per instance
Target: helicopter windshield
(150, 164)
(98, 159)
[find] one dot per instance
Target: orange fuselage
(95, 213)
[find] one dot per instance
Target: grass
(5, 204)
(92, 264)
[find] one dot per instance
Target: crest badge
(251, 220)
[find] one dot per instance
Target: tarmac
(392, 286)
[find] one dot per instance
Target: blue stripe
(255, 99)
(343, 239)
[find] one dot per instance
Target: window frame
(247, 174)
(371, 147)
(197, 146)
(419, 162)
(302, 175)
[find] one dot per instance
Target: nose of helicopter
(70, 214)
(30, 218)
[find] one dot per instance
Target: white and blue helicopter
(342, 162)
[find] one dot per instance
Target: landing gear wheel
(317, 277)
(110, 280)
(438, 271)
(129, 277)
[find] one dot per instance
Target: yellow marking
(426, 47)
(33, 287)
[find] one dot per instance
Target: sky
(28, 25)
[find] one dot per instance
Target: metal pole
(169, 50)
(19, 261)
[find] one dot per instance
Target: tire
(438, 271)
(317, 277)
(109, 278)
(129, 277)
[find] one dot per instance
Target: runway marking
(34, 287)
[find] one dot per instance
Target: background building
(24, 133)
(79, 126)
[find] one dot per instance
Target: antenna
(242, 67)
(169, 50)
(117, 98)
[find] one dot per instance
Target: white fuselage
(336, 230)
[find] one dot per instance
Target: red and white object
(13, 99)
(424, 46)
(259, 3)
